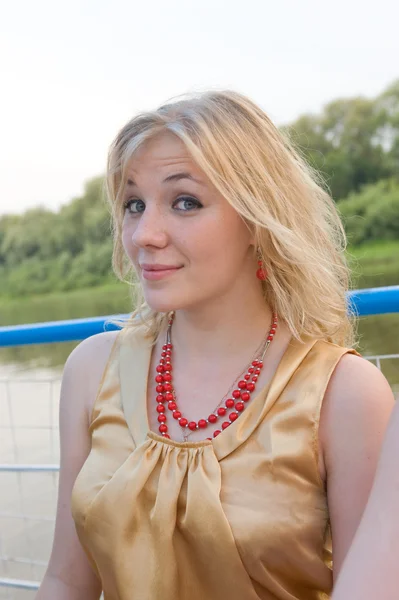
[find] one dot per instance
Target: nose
(150, 229)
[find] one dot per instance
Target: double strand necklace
(240, 396)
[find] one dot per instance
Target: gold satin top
(241, 517)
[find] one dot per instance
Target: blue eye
(134, 206)
(187, 203)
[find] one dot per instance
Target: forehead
(162, 152)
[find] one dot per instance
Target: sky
(73, 72)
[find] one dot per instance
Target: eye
(187, 204)
(134, 206)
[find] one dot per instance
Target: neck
(223, 327)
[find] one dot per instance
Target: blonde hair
(254, 166)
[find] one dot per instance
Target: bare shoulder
(85, 366)
(358, 402)
(357, 386)
(92, 351)
(353, 421)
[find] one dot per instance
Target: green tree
(373, 213)
(353, 142)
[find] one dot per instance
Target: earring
(261, 273)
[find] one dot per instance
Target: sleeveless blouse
(241, 517)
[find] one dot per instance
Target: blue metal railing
(371, 301)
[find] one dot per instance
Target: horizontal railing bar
(26, 468)
(365, 302)
(34, 427)
(24, 561)
(19, 583)
(374, 301)
(57, 331)
(23, 380)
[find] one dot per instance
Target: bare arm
(69, 575)
(354, 418)
(371, 568)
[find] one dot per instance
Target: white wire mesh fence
(29, 458)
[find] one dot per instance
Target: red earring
(261, 273)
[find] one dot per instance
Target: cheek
(127, 241)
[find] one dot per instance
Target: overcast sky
(73, 71)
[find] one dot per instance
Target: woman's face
(187, 244)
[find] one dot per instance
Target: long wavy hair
(255, 167)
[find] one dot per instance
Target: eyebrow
(170, 178)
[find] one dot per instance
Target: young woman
(371, 568)
(210, 447)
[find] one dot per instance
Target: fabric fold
(243, 516)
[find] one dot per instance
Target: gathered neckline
(135, 361)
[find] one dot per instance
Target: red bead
(160, 408)
(257, 371)
(176, 414)
(168, 366)
(163, 428)
(167, 377)
(216, 433)
(162, 418)
(172, 405)
(212, 418)
(160, 398)
(159, 378)
(169, 397)
(163, 354)
(242, 384)
(160, 368)
(183, 422)
(229, 403)
(202, 423)
(167, 387)
(240, 406)
(166, 435)
(192, 425)
(159, 388)
(169, 346)
(270, 337)
(273, 330)
(225, 424)
(245, 396)
(254, 363)
(250, 387)
(260, 274)
(233, 416)
(221, 411)
(164, 347)
(251, 370)
(255, 378)
(247, 376)
(236, 394)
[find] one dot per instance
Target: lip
(155, 272)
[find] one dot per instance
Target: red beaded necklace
(240, 396)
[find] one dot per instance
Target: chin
(163, 302)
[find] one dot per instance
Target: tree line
(353, 143)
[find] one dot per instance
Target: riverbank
(372, 265)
